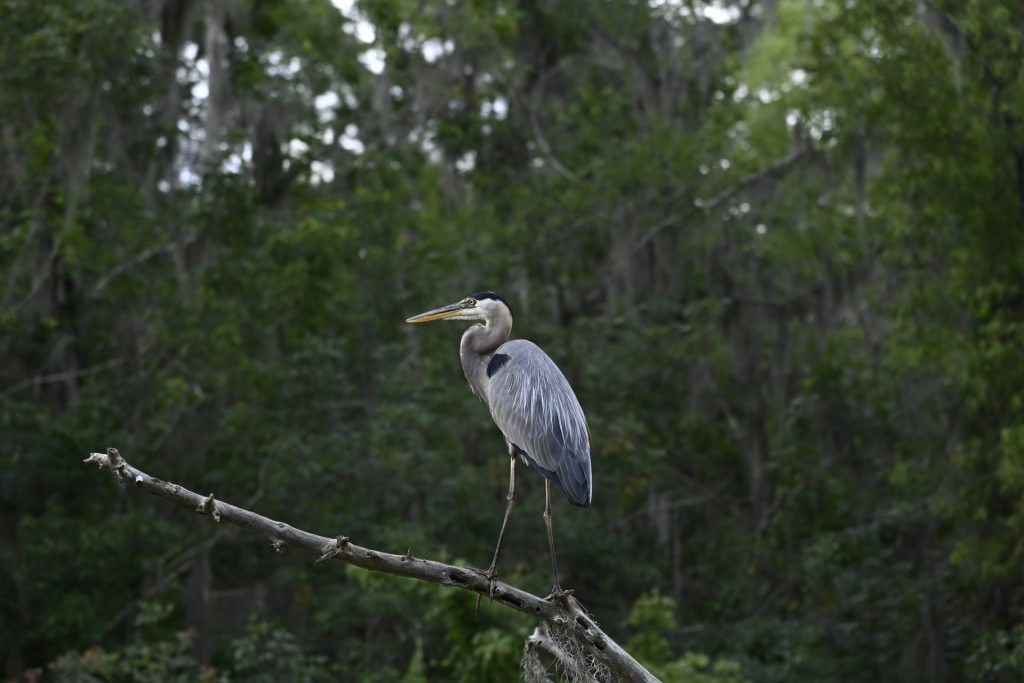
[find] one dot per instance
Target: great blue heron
(530, 401)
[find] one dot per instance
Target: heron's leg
(511, 498)
(492, 572)
(551, 534)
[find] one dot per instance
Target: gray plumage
(531, 402)
(533, 405)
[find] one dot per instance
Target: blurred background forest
(776, 245)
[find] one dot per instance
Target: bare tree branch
(774, 172)
(528, 102)
(563, 612)
(97, 289)
(39, 380)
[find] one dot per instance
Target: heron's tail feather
(572, 478)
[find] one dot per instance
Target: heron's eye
(471, 301)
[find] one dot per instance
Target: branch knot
(334, 549)
(209, 507)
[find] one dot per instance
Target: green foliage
(652, 620)
(264, 653)
(998, 657)
(270, 653)
(779, 255)
(160, 662)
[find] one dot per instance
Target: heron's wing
(536, 409)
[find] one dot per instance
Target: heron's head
(484, 307)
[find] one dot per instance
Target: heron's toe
(492, 578)
(559, 594)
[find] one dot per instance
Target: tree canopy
(777, 246)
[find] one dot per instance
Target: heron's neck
(483, 340)
(478, 344)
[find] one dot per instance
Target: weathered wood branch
(562, 612)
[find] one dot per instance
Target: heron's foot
(558, 594)
(492, 576)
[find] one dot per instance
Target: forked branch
(562, 612)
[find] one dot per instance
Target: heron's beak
(449, 311)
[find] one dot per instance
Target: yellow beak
(449, 311)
